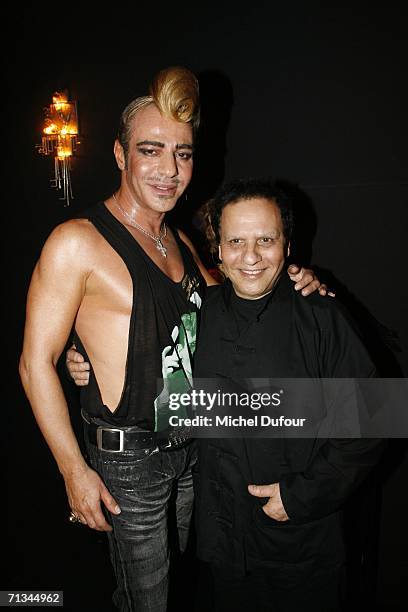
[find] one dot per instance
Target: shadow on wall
(209, 157)
(381, 342)
(362, 518)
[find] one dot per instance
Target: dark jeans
(284, 589)
(143, 483)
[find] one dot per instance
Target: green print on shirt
(176, 369)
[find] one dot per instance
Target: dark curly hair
(246, 189)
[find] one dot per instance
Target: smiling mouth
(251, 273)
(165, 190)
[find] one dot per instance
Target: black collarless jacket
(291, 337)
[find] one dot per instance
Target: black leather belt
(117, 440)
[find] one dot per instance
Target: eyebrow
(185, 146)
(271, 232)
(156, 143)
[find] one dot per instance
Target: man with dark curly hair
(269, 509)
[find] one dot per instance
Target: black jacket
(292, 337)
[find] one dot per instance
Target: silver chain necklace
(157, 239)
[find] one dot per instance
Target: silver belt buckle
(99, 439)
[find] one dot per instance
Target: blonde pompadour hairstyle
(175, 92)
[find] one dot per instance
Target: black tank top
(162, 333)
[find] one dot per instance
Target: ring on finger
(74, 518)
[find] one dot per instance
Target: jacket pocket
(285, 541)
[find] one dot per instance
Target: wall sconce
(60, 140)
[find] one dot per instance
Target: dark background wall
(310, 92)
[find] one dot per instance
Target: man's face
(159, 162)
(252, 246)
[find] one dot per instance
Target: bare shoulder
(73, 233)
(73, 237)
(71, 245)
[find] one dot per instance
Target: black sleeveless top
(162, 333)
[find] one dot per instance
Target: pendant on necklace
(161, 248)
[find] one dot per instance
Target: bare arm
(56, 290)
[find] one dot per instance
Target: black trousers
(278, 590)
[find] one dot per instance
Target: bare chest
(110, 285)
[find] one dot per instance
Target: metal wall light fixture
(60, 139)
